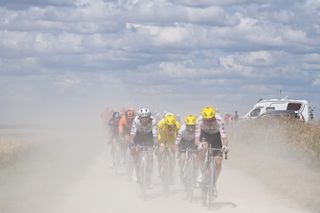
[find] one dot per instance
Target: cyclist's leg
(202, 155)
(216, 143)
(113, 146)
(182, 158)
(136, 155)
(218, 162)
(148, 141)
(172, 163)
(159, 156)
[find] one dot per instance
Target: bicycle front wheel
(143, 175)
(211, 184)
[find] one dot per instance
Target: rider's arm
(179, 136)
(222, 130)
(160, 132)
(121, 127)
(133, 130)
(110, 122)
(155, 131)
(197, 135)
(224, 139)
(177, 129)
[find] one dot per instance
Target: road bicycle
(209, 190)
(144, 167)
(189, 173)
(166, 167)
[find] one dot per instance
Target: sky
(176, 55)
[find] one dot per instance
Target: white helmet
(144, 112)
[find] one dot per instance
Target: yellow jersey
(166, 135)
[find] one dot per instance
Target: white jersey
(217, 126)
(150, 127)
(185, 135)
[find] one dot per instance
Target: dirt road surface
(73, 173)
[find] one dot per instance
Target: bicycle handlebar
(219, 149)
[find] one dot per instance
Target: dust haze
(68, 169)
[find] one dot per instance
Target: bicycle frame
(143, 167)
(209, 171)
(167, 167)
(118, 154)
(189, 173)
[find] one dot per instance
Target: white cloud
(231, 63)
(206, 3)
(259, 58)
(66, 82)
(176, 70)
(316, 81)
(312, 58)
(141, 44)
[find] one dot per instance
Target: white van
(264, 106)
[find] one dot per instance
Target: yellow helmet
(170, 119)
(190, 120)
(208, 112)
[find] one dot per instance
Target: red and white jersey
(150, 127)
(217, 126)
(183, 134)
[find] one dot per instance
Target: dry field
(283, 154)
(12, 145)
(298, 137)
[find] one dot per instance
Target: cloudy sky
(174, 54)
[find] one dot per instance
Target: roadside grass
(299, 137)
(12, 147)
(304, 136)
(283, 154)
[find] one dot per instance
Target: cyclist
(168, 129)
(143, 132)
(211, 131)
(113, 125)
(125, 124)
(186, 139)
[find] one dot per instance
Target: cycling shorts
(214, 140)
(184, 144)
(143, 139)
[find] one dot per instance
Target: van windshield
(255, 112)
(294, 106)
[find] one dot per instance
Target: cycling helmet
(190, 120)
(144, 113)
(169, 119)
(116, 115)
(208, 112)
(129, 113)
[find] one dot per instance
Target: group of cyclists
(164, 134)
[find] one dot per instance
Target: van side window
(255, 112)
(293, 106)
(270, 109)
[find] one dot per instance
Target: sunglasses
(209, 121)
(144, 120)
(191, 127)
(170, 127)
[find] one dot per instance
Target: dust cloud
(66, 141)
(69, 171)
